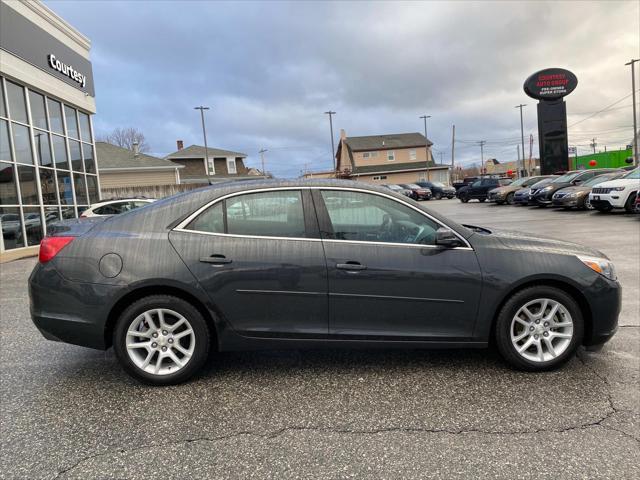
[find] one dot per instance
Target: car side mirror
(446, 238)
(577, 182)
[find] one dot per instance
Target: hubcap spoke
(176, 325)
(540, 351)
(136, 333)
(552, 312)
(178, 336)
(139, 345)
(549, 345)
(560, 335)
(526, 345)
(182, 350)
(149, 319)
(173, 357)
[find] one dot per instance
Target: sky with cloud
(269, 70)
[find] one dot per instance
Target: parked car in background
(399, 189)
(417, 192)
(438, 189)
(479, 189)
(578, 196)
(620, 193)
(115, 206)
(521, 197)
(464, 182)
(544, 196)
(506, 194)
(189, 274)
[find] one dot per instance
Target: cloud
(270, 69)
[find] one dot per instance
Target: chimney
(180, 144)
(343, 134)
(136, 149)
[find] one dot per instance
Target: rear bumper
(69, 312)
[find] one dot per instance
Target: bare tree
(125, 138)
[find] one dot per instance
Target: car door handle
(215, 259)
(351, 266)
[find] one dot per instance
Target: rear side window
(264, 214)
(113, 208)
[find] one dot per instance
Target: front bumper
(605, 300)
(607, 200)
(565, 202)
(492, 197)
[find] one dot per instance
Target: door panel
(403, 291)
(386, 277)
(263, 286)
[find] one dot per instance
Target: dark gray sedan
(247, 265)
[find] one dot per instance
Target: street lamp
(426, 145)
(333, 149)
(204, 134)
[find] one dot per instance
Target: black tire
(482, 200)
(438, 196)
(509, 310)
(509, 199)
(193, 316)
(499, 202)
(629, 205)
(464, 198)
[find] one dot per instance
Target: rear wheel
(539, 328)
(464, 198)
(629, 206)
(161, 340)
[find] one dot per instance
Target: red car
(418, 192)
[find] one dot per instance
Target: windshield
(437, 184)
(412, 185)
(519, 182)
(542, 183)
(567, 177)
(598, 179)
(633, 174)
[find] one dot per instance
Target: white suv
(620, 193)
(115, 207)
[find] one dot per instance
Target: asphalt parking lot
(69, 412)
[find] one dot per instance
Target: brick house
(221, 164)
(393, 158)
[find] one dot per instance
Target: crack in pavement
(345, 431)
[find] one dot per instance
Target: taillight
(50, 246)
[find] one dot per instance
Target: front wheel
(464, 198)
(539, 328)
(482, 200)
(437, 196)
(629, 205)
(161, 340)
(510, 200)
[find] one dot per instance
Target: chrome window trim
(181, 227)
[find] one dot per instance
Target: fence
(150, 191)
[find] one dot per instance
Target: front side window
(264, 214)
(364, 217)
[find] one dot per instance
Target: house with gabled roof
(390, 158)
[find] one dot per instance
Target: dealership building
(48, 167)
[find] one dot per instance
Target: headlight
(547, 188)
(600, 265)
(617, 189)
(572, 195)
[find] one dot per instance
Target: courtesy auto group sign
(550, 84)
(67, 70)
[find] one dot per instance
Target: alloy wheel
(587, 203)
(160, 341)
(541, 330)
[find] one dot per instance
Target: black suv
(544, 196)
(480, 188)
(438, 190)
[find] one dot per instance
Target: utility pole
(333, 148)
(481, 143)
(262, 152)
(530, 170)
(636, 156)
(522, 136)
(204, 134)
(426, 144)
(593, 145)
(518, 164)
(453, 147)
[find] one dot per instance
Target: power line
(600, 111)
